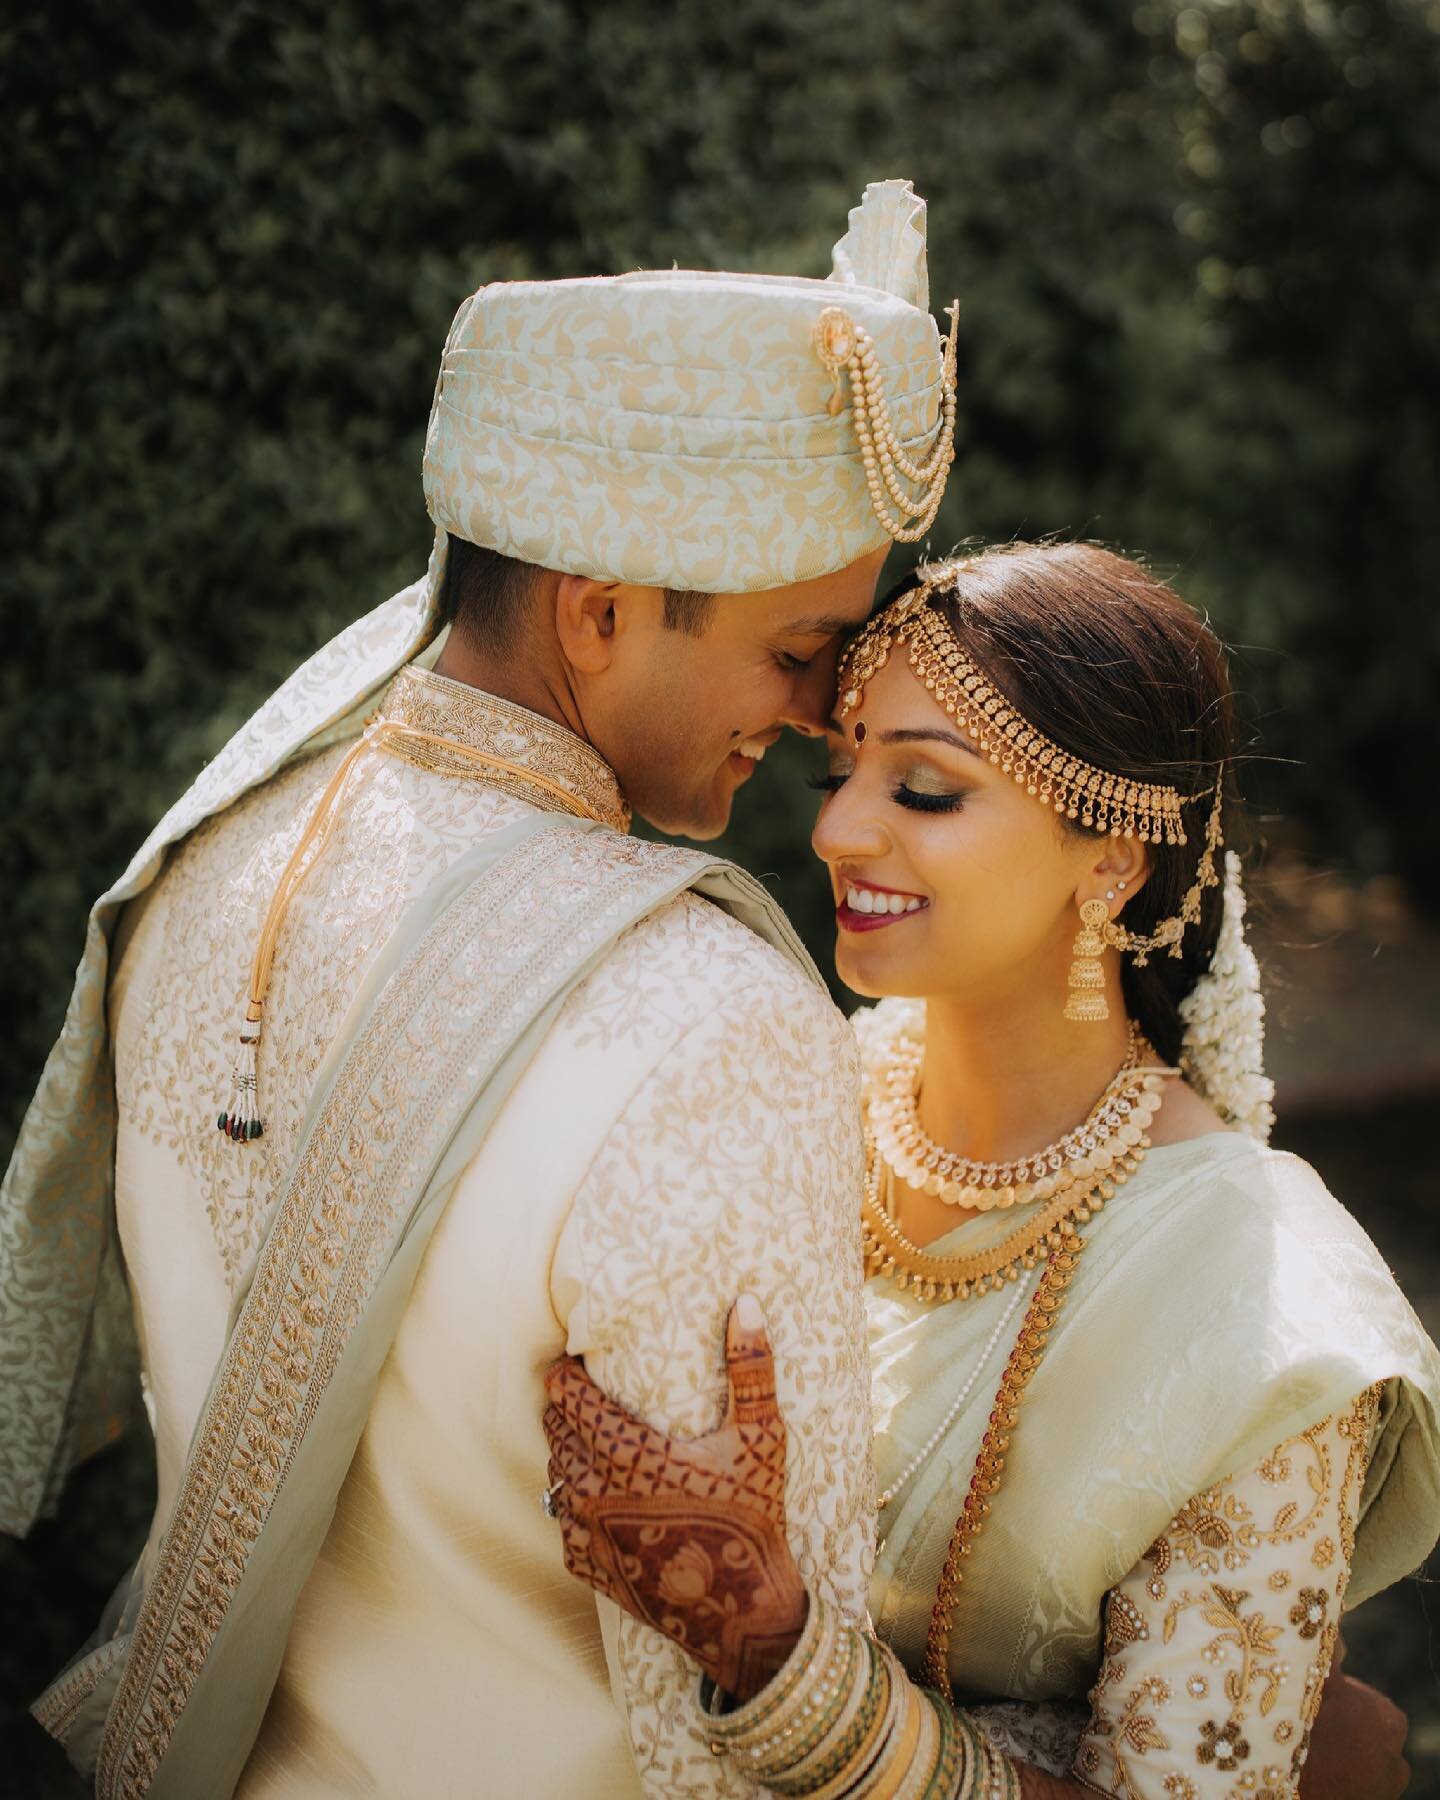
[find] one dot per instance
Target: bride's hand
(687, 1535)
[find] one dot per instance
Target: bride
(1149, 1407)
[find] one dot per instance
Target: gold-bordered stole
(443, 1023)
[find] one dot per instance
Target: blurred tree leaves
(1195, 247)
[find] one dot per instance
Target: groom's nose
(812, 693)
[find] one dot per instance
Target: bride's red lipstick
(853, 918)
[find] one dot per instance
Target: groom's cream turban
(711, 432)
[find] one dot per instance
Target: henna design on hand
(687, 1535)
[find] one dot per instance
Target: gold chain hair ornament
(241, 1119)
(842, 344)
(1100, 801)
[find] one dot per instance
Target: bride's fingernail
(748, 1314)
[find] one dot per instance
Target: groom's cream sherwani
(527, 1084)
(687, 1130)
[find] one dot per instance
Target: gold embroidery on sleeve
(1237, 1703)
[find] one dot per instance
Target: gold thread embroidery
(57, 1706)
(496, 727)
(1249, 1633)
(401, 832)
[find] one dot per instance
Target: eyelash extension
(902, 796)
(936, 803)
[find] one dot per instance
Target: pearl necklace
(937, 1435)
(1088, 1152)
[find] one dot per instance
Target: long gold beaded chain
(985, 1480)
(952, 1413)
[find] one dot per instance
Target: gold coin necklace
(929, 1168)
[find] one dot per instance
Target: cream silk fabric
(1224, 1303)
(667, 1147)
(672, 428)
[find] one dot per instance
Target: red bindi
(860, 733)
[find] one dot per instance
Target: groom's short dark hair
(485, 596)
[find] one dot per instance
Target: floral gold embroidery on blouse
(1308, 1612)
(1198, 1697)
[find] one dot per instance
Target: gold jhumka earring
(1087, 1003)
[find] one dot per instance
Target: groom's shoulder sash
(64, 1308)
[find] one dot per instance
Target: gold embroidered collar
(515, 736)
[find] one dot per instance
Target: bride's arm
(688, 1536)
(1220, 1642)
(842, 1718)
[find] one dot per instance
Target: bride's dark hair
(1106, 659)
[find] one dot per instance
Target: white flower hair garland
(1223, 1053)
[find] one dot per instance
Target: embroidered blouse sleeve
(1218, 1643)
(734, 1168)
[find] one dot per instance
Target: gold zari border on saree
(442, 1024)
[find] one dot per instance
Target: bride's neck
(1001, 1083)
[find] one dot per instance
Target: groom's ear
(593, 617)
(585, 622)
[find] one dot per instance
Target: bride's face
(949, 879)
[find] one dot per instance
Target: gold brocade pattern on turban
(672, 428)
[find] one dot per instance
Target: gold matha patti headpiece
(1101, 801)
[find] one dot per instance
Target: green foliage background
(1195, 247)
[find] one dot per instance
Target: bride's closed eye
(920, 790)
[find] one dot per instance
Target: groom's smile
(687, 714)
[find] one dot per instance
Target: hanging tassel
(241, 1120)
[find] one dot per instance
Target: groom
(505, 1082)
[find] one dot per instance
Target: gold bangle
(843, 1781)
(897, 1757)
(850, 1743)
(919, 1772)
(822, 1714)
(763, 1715)
(944, 1783)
